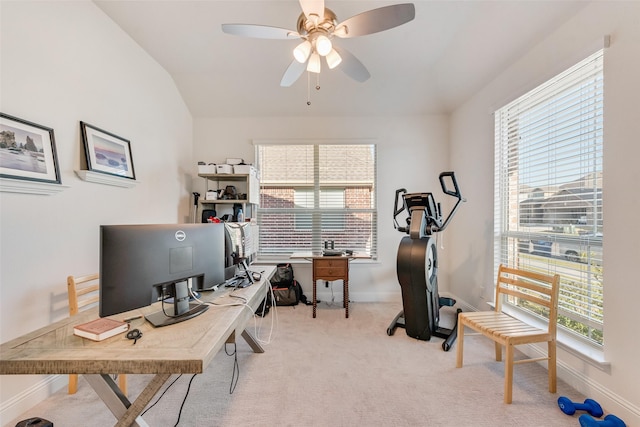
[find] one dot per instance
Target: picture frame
(106, 152)
(27, 151)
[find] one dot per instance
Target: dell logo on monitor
(180, 235)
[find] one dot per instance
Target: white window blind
(312, 193)
(548, 193)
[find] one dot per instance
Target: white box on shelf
(212, 195)
(234, 161)
(210, 168)
(242, 169)
(224, 168)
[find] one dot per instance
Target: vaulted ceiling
(429, 65)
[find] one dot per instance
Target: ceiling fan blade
(293, 73)
(352, 66)
(377, 20)
(313, 7)
(259, 31)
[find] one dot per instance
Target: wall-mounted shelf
(102, 178)
(8, 185)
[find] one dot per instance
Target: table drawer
(331, 262)
(331, 268)
(330, 272)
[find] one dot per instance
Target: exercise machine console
(417, 262)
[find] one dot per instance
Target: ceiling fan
(317, 26)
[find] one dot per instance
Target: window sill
(566, 341)
(284, 259)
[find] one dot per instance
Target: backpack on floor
(286, 289)
(290, 295)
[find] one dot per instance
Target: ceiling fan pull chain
(308, 88)
(318, 81)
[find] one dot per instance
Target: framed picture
(27, 151)
(106, 152)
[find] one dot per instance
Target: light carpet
(333, 371)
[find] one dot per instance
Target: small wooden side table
(330, 269)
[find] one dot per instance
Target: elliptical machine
(417, 263)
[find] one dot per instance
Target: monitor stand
(159, 319)
(243, 265)
(180, 310)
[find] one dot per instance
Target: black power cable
(184, 400)
(236, 368)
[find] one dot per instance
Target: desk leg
(127, 414)
(315, 300)
(255, 345)
(345, 293)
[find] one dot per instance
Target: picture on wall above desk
(27, 151)
(106, 152)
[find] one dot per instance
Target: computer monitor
(145, 263)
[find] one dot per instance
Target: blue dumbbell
(589, 405)
(609, 421)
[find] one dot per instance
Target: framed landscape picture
(106, 152)
(27, 151)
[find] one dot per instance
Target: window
(548, 193)
(329, 198)
(311, 193)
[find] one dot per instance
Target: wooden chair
(538, 289)
(84, 291)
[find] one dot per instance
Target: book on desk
(100, 329)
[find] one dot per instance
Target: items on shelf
(232, 166)
(204, 168)
(235, 196)
(224, 169)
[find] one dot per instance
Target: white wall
(412, 151)
(63, 62)
(471, 266)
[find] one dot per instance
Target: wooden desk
(186, 347)
(330, 268)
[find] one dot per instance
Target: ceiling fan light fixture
(314, 63)
(341, 31)
(314, 18)
(323, 45)
(316, 27)
(333, 59)
(302, 51)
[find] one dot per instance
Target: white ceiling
(429, 65)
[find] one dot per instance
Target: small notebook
(100, 329)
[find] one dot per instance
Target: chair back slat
(537, 288)
(529, 297)
(82, 291)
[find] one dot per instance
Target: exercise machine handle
(443, 184)
(396, 211)
(455, 193)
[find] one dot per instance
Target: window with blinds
(312, 193)
(548, 193)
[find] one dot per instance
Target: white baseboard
(325, 295)
(31, 396)
(610, 401)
